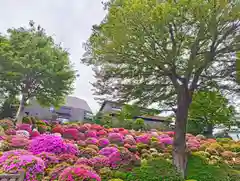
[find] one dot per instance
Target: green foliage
(155, 170)
(162, 51)
(209, 108)
(199, 170)
(8, 108)
(148, 50)
(139, 124)
(34, 66)
(238, 67)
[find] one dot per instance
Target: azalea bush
(78, 173)
(33, 166)
(52, 144)
(92, 152)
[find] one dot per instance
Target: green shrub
(199, 170)
(27, 120)
(154, 170)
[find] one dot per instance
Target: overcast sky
(69, 21)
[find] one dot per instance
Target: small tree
(209, 108)
(162, 51)
(34, 66)
(8, 108)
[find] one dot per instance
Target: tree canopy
(209, 108)
(34, 66)
(162, 51)
(154, 47)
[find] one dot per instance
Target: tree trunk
(180, 156)
(209, 130)
(20, 113)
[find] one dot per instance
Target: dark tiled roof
(77, 103)
(122, 104)
(153, 118)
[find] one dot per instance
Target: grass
(199, 170)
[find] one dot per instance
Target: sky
(68, 21)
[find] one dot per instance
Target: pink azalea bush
(78, 173)
(8, 154)
(18, 141)
(107, 151)
(98, 162)
(26, 127)
(91, 141)
(103, 142)
(145, 139)
(49, 159)
(115, 138)
(79, 152)
(32, 166)
(83, 161)
(52, 144)
(71, 133)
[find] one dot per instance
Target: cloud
(70, 22)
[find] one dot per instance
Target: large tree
(162, 51)
(209, 108)
(33, 66)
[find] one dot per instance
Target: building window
(116, 108)
(88, 116)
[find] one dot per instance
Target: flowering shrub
(32, 166)
(84, 128)
(48, 143)
(88, 152)
(10, 131)
(49, 159)
(91, 133)
(58, 129)
(167, 141)
(26, 127)
(107, 151)
(43, 128)
(6, 124)
(130, 141)
(8, 154)
(57, 170)
(71, 149)
(91, 141)
(78, 173)
(18, 142)
(83, 161)
(71, 133)
(81, 143)
(101, 133)
(4, 145)
(228, 155)
(116, 138)
(98, 162)
(93, 147)
(216, 147)
(35, 133)
(103, 142)
(120, 158)
(145, 139)
(235, 147)
(68, 158)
